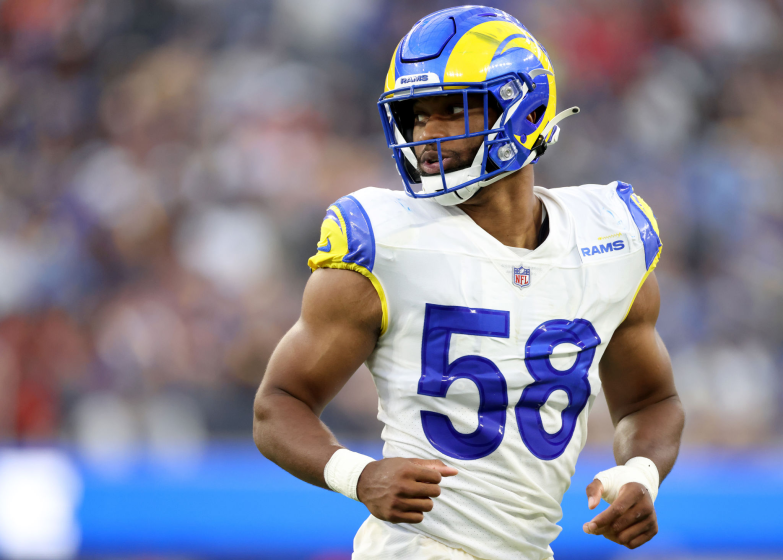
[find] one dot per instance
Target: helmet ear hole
(537, 114)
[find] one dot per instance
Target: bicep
(635, 369)
(336, 332)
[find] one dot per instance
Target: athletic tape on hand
(343, 470)
(638, 469)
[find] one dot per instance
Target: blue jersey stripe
(361, 239)
(650, 238)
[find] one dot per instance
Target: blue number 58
(437, 375)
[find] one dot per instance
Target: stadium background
(164, 168)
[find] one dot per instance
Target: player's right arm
(336, 332)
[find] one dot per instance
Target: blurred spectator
(165, 166)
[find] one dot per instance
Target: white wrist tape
(343, 470)
(638, 469)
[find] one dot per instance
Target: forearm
(290, 434)
(653, 432)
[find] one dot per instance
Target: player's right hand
(401, 490)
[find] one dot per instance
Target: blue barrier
(233, 502)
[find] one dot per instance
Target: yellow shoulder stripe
(334, 246)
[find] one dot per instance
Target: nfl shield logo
(522, 276)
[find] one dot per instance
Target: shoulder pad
(346, 236)
(348, 242)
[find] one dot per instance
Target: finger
(603, 521)
(643, 538)
(425, 474)
(594, 492)
(638, 513)
(438, 465)
(421, 504)
(592, 529)
(610, 535)
(605, 532)
(638, 529)
(407, 517)
(420, 490)
(624, 502)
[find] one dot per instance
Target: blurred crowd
(165, 165)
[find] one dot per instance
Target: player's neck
(508, 210)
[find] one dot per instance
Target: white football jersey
(488, 357)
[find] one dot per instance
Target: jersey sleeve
(347, 242)
(645, 222)
(649, 233)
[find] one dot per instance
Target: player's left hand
(629, 521)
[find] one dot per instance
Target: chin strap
(549, 135)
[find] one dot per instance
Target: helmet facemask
(471, 161)
(502, 151)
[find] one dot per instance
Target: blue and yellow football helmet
(472, 50)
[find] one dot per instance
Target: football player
(490, 313)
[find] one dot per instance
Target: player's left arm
(636, 374)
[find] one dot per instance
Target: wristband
(342, 471)
(638, 469)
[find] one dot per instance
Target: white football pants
(377, 540)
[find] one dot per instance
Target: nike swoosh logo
(326, 248)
